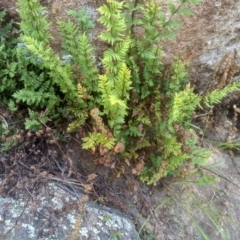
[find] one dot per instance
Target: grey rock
(52, 215)
(187, 207)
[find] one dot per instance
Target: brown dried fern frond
(98, 124)
(223, 74)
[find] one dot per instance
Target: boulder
(56, 213)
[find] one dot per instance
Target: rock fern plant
(136, 106)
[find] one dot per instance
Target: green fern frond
(105, 86)
(96, 139)
(112, 18)
(83, 18)
(217, 95)
(68, 33)
(184, 104)
(123, 83)
(61, 75)
(77, 44)
(115, 57)
(35, 98)
(172, 147)
(87, 64)
(33, 20)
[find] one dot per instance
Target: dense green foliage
(136, 107)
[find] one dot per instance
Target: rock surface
(208, 34)
(54, 214)
(188, 207)
(179, 209)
